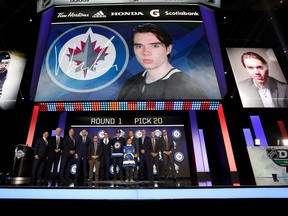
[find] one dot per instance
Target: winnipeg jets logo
(117, 145)
(179, 156)
(101, 134)
(87, 58)
(176, 134)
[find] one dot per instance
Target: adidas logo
(99, 14)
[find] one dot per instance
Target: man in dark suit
(106, 156)
(68, 156)
(54, 154)
(167, 147)
(40, 155)
(261, 90)
(145, 146)
(95, 154)
(82, 156)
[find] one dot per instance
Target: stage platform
(138, 190)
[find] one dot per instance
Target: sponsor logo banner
(133, 12)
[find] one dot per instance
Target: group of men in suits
(54, 156)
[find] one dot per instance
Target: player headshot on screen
(261, 90)
(160, 80)
(4, 63)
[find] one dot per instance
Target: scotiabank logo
(155, 13)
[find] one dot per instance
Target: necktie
(73, 140)
(95, 147)
(46, 141)
(84, 139)
(153, 144)
(166, 142)
(57, 141)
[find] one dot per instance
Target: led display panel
(88, 55)
(12, 65)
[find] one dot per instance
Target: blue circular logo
(73, 169)
(138, 133)
(87, 58)
(176, 134)
(158, 133)
(179, 156)
(101, 134)
(112, 170)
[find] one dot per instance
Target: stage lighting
(257, 142)
(285, 142)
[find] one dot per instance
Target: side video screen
(260, 80)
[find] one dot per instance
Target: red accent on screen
(96, 106)
(169, 106)
(151, 105)
(33, 122)
(227, 143)
(282, 129)
(132, 105)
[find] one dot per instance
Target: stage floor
(170, 183)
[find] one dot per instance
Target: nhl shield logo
(87, 58)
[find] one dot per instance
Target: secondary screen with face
(259, 78)
(12, 65)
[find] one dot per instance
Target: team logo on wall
(111, 169)
(73, 169)
(158, 133)
(138, 133)
(176, 134)
(178, 156)
(122, 133)
(177, 168)
(101, 134)
(87, 58)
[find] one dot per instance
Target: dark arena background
(68, 62)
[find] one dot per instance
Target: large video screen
(89, 55)
(12, 65)
(259, 78)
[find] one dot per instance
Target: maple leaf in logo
(87, 56)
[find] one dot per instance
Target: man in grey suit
(261, 90)
(167, 150)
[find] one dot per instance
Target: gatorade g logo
(155, 13)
